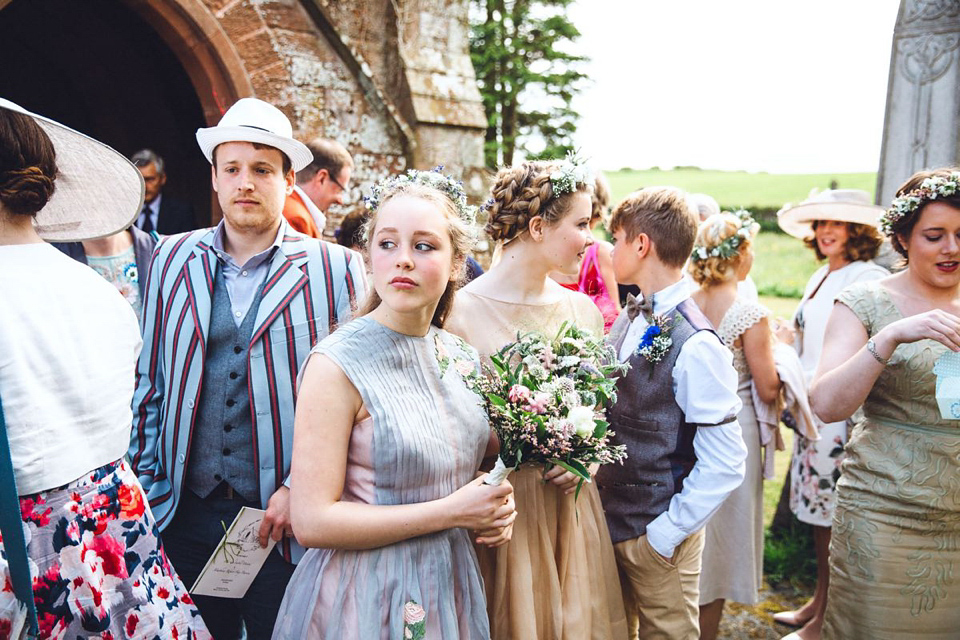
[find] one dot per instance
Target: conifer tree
(527, 79)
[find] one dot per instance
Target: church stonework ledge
(923, 93)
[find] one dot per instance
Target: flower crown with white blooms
(435, 178)
(930, 189)
(730, 245)
(570, 172)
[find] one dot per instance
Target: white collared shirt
(705, 389)
(315, 213)
(244, 281)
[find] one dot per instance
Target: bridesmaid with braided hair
(558, 576)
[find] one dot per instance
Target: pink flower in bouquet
(519, 393)
(564, 428)
(538, 403)
(413, 613)
(547, 357)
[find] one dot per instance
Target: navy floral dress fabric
(98, 567)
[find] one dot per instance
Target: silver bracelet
(872, 348)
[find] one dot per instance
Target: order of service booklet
(237, 560)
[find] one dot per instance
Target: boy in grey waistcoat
(676, 413)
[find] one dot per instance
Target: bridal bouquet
(546, 400)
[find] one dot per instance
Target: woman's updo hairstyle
(28, 164)
(911, 198)
(722, 241)
(523, 192)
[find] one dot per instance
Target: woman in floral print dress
(68, 346)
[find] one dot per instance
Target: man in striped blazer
(229, 316)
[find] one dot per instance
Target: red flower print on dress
(131, 627)
(110, 550)
(49, 626)
(28, 511)
(131, 501)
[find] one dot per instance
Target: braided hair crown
(523, 192)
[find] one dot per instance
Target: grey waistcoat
(221, 448)
(659, 441)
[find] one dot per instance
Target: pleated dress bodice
(424, 439)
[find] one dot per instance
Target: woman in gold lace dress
(558, 576)
(896, 532)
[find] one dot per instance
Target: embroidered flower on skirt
(414, 621)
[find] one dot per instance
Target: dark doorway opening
(98, 67)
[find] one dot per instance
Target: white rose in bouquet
(583, 421)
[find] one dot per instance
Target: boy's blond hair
(666, 215)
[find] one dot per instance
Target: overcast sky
(762, 85)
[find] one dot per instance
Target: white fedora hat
(98, 191)
(252, 120)
(845, 205)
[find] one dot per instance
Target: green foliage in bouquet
(547, 401)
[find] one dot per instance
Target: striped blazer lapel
(201, 269)
(285, 280)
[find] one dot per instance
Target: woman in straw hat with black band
(68, 346)
(840, 226)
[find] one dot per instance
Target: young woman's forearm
(354, 525)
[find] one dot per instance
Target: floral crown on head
(435, 178)
(930, 189)
(568, 174)
(729, 246)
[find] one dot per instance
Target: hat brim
(211, 137)
(98, 191)
(798, 221)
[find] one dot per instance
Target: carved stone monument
(922, 119)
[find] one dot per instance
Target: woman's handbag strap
(11, 528)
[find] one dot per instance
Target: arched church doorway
(121, 72)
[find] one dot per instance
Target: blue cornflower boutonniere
(656, 340)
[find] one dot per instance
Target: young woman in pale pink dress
(388, 440)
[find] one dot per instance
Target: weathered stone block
(257, 50)
(240, 20)
(285, 14)
(271, 83)
(216, 5)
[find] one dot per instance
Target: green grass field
(738, 188)
(782, 265)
